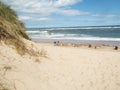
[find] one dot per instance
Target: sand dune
(64, 68)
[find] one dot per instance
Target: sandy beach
(59, 45)
(63, 68)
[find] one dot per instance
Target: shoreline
(92, 42)
(100, 47)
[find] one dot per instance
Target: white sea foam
(75, 38)
(86, 35)
(100, 35)
(72, 37)
(33, 31)
(94, 38)
(77, 28)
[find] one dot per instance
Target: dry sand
(64, 68)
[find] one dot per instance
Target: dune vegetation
(12, 30)
(12, 33)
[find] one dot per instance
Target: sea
(105, 35)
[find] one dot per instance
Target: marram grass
(11, 29)
(7, 13)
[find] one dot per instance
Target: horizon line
(74, 26)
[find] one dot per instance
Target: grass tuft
(43, 53)
(11, 29)
(7, 13)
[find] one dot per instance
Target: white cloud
(24, 17)
(96, 15)
(33, 18)
(105, 15)
(71, 12)
(112, 15)
(44, 7)
(66, 2)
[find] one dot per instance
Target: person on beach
(116, 48)
(56, 43)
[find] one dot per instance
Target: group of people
(56, 43)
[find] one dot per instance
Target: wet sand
(95, 42)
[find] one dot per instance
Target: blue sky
(65, 13)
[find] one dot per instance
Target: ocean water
(77, 34)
